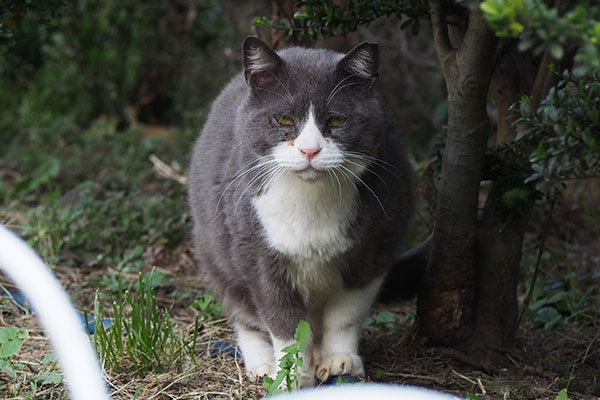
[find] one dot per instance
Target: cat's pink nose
(310, 153)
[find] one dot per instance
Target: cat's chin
(309, 174)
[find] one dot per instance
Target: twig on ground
(164, 170)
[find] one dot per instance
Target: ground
(541, 363)
(115, 215)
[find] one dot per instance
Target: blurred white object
(52, 306)
(368, 391)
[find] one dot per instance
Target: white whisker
(262, 164)
(332, 93)
(262, 173)
(346, 177)
(340, 88)
(287, 93)
(373, 160)
(331, 173)
(368, 188)
(274, 92)
(369, 169)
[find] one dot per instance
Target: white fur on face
(305, 212)
(290, 154)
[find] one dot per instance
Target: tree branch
(446, 53)
(478, 47)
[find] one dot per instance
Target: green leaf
(272, 385)
(386, 317)
(302, 334)
(300, 15)
(556, 50)
(549, 316)
(7, 368)
(48, 377)
(11, 340)
(562, 395)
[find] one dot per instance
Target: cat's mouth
(309, 173)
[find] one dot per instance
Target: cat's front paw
(306, 380)
(254, 373)
(339, 364)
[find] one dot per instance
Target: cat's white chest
(307, 221)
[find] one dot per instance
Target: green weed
(210, 306)
(25, 384)
(288, 376)
(558, 299)
(386, 320)
(145, 337)
(11, 341)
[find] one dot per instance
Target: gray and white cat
(300, 195)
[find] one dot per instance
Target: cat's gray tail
(405, 276)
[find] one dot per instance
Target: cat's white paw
(340, 364)
(255, 372)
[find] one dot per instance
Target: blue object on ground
(220, 347)
(22, 301)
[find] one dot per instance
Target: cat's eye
(336, 120)
(284, 120)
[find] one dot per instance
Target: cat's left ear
(362, 61)
(260, 60)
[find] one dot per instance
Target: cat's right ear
(362, 62)
(260, 60)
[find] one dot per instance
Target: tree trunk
(469, 293)
(502, 226)
(446, 299)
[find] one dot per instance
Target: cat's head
(312, 112)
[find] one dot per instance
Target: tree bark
(501, 228)
(469, 292)
(446, 299)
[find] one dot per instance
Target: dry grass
(537, 368)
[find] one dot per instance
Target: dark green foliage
(210, 306)
(93, 193)
(329, 18)
(559, 300)
(76, 80)
(104, 226)
(86, 58)
(565, 132)
(555, 28)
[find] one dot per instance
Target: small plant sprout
(288, 376)
(11, 341)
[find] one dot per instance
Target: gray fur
(250, 277)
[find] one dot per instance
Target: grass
(144, 337)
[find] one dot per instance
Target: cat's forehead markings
(310, 136)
